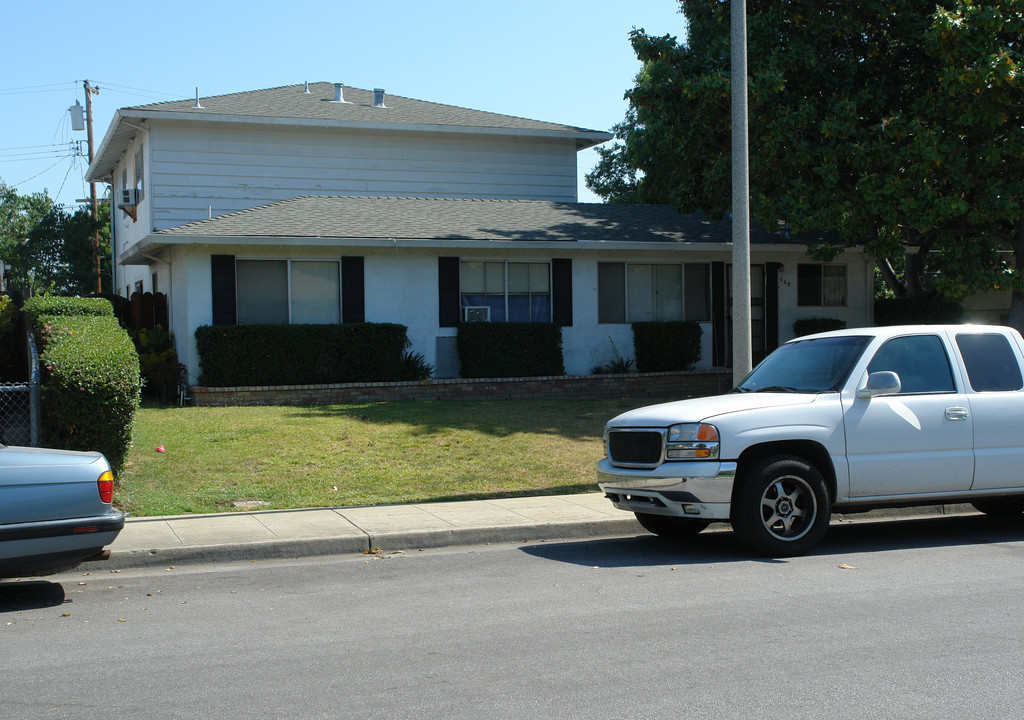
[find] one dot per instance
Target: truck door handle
(956, 413)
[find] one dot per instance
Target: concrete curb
(317, 532)
(405, 540)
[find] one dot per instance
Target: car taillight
(106, 486)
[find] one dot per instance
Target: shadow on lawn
(572, 419)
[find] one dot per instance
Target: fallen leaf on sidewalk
(844, 566)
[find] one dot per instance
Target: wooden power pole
(89, 92)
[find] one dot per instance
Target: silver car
(55, 510)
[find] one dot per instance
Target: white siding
(194, 169)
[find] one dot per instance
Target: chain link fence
(19, 405)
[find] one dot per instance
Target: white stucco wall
(401, 287)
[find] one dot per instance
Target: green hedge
(666, 346)
(36, 307)
(241, 355)
(810, 326)
(918, 311)
(492, 350)
(91, 384)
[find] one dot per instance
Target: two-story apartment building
(323, 203)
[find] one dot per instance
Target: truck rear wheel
(668, 526)
(781, 507)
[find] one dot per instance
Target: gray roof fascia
(115, 141)
(152, 243)
(594, 136)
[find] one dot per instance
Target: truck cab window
(919, 360)
(990, 362)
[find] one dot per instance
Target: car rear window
(990, 362)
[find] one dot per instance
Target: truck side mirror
(880, 383)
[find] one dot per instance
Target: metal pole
(741, 355)
(89, 92)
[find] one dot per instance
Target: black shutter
(222, 271)
(771, 306)
(718, 315)
(448, 292)
(353, 290)
(561, 292)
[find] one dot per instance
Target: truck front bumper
(680, 489)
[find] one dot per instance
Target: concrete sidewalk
(226, 537)
(156, 541)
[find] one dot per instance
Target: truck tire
(668, 526)
(781, 507)
(1004, 507)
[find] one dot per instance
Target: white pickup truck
(840, 421)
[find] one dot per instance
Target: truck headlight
(691, 441)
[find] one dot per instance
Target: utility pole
(741, 354)
(89, 92)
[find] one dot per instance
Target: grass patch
(366, 454)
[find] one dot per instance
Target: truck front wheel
(671, 527)
(781, 507)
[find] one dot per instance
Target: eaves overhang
(143, 252)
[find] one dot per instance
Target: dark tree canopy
(49, 249)
(900, 124)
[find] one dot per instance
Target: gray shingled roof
(384, 218)
(292, 102)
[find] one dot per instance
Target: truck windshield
(806, 366)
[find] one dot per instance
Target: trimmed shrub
(810, 326)
(666, 346)
(91, 383)
(918, 311)
(242, 355)
(493, 350)
(36, 307)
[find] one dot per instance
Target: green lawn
(370, 454)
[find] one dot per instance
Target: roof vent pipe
(378, 98)
(197, 106)
(339, 95)
(306, 91)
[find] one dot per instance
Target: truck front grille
(635, 447)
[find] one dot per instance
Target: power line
(33, 89)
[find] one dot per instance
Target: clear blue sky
(564, 61)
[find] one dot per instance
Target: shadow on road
(30, 595)
(720, 546)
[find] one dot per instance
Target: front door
(758, 347)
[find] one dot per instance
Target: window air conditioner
(129, 196)
(477, 313)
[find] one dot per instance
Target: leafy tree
(49, 248)
(19, 214)
(897, 123)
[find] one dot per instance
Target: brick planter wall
(678, 384)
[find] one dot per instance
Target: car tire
(1005, 507)
(668, 526)
(781, 507)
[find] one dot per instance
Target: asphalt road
(909, 619)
